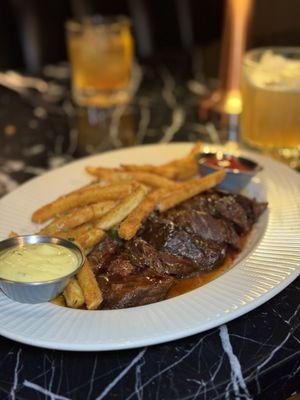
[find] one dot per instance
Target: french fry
(73, 294)
(89, 239)
(59, 301)
(111, 175)
(184, 168)
(90, 288)
(90, 185)
(153, 180)
(12, 234)
(153, 169)
(133, 221)
(196, 148)
(73, 200)
(78, 217)
(74, 233)
(122, 209)
(181, 169)
(147, 178)
(190, 189)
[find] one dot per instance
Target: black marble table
(256, 356)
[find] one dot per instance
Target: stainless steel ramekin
(38, 292)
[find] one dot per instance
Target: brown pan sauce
(185, 285)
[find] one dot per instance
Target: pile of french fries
(120, 199)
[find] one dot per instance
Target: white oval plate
(269, 263)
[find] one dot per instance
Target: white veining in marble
(46, 392)
(168, 89)
(136, 79)
(114, 125)
(51, 376)
(178, 117)
(33, 150)
(170, 366)
(56, 161)
(92, 378)
(138, 386)
(145, 117)
(113, 383)
(178, 113)
(12, 394)
(237, 379)
(7, 182)
(73, 141)
(13, 166)
(260, 367)
(34, 170)
(201, 390)
(288, 321)
(58, 144)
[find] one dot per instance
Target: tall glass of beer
(270, 118)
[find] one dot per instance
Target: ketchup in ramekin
(228, 161)
(239, 170)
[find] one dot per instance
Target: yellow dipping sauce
(37, 262)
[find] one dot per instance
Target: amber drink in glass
(270, 119)
(101, 56)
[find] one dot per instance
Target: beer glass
(270, 118)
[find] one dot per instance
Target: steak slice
(165, 236)
(220, 205)
(136, 290)
(120, 266)
(103, 253)
(230, 209)
(234, 208)
(177, 266)
(142, 254)
(252, 208)
(206, 226)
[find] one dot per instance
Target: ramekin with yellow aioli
(36, 268)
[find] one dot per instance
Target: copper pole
(224, 104)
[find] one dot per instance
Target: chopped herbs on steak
(194, 237)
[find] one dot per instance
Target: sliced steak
(230, 209)
(103, 253)
(136, 290)
(120, 266)
(202, 202)
(142, 254)
(252, 208)
(220, 205)
(206, 226)
(177, 266)
(181, 242)
(165, 236)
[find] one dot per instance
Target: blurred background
(32, 31)
(179, 52)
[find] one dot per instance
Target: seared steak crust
(136, 291)
(206, 226)
(164, 235)
(193, 237)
